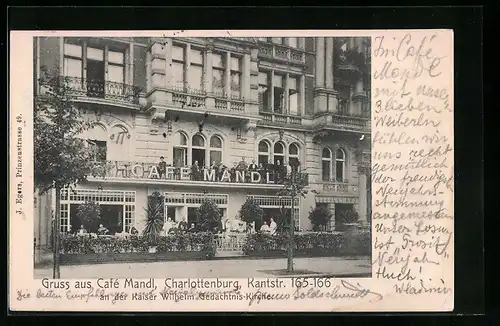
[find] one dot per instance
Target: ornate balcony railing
(280, 119)
(96, 88)
(186, 97)
(343, 122)
(280, 52)
(156, 171)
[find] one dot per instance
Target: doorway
(95, 78)
(112, 217)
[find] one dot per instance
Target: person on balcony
(195, 171)
(288, 169)
(262, 171)
(214, 166)
(270, 168)
(252, 166)
(162, 167)
(278, 172)
(232, 171)
(264, 228)
(272, 226)
(242, 165)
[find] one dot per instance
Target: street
(223, 268)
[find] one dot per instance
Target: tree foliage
(208, 216)
(61, 157)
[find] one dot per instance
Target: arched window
(326, 160)
(198, 150)
(279, 153)
(179, 159)
(215, 150)
(293, 156)
(340, 165)
(264, 152)
(98, 142)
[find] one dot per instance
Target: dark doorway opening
(112, 217)
(95, 78)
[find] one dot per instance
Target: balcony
(272, 118)
(341, 122)
(131, 172)
(339, 187)
(100, 91)
(281, 53)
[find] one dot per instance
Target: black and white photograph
(202, 157)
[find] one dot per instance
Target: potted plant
(251, 212)
(208, 216)
(154, 220)
(320, 217)
(348, 219)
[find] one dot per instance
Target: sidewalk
(234, 268)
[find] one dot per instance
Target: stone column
(271, 92)
(130, 79)
(359, 97)
(227, 78)
(320, 62)
(187, 63)
(320, 97)
(148, 71)
(168, 63)
(208, 67)
(329, 62)
(302, 96)
(362, 194)
(246, 77)
(286, 106)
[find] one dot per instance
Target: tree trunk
(56, 234)
(291, 231)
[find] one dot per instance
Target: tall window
(279, 153)
(196, 70)
(293, 96)
(293, 156)
(95, 72)
(235, 77)
(263, 91)
(73, 66)
(215, 150)
(326, 164)
(292, 41)
(198, 150)
(180, 150)
(218, 84)
(116, 67)
(178, 71)
(264, 152)
(340, 165)
(279, 94)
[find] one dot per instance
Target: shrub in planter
(208, 216)
(320, 217)
(155, 215)
(251, 212)
(89, 213)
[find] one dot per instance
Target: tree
(89, 214)
(319, 217)
(208, 216)
(61, 157)
(294, 186)
(155, 215)
(251, 212)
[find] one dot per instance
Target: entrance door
(95, 78)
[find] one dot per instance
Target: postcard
(235, 171)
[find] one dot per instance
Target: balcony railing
(339, 187)
(342, 122)
(280, 52)
(101, 89)
(154, 171)
(280, 119)
(186, 97)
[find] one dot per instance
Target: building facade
(224, 100)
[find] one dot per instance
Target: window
(279, 153)
(180, 150)
(215, 150)
(99, 149)
(326, 164)
(293, 156)
(264, 152)
(279, 96)
(218, 84)
(196, 70)
(178, 72)
(263, 91)
(93, 68)
(198, 150)
(344, 94)
(235, 77)
(340, 165)
(293, 96)
(292, 41)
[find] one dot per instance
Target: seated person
(264, 228)
(102, 230)
(82, 230)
